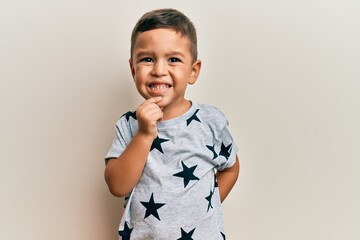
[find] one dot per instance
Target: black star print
(215, 182)
(130, 114)
(126, 232)
(225, 150)
(125, 200)
(223, 235)
(212, 149)
(187, 174)
(157, 144)
(185, 235)
(193, 117)
(152, 207)
(209, 199)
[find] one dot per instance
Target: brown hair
(166, 18)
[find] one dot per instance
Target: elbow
(117, 189)
(118, 192)
(117, 184)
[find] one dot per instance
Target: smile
(155, 87)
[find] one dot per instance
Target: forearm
(227, 178)
(123, 173)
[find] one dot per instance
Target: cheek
(140, 73)
(138, 76)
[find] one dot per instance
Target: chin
(161, 104)
(164, 103)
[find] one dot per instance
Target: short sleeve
(224, 147)
(227, 149)
(121, 140)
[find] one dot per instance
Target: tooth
(159, 86)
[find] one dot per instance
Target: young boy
(174, 160)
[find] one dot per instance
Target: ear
(132, 69)
(195, 71)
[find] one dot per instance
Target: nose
(159, 69)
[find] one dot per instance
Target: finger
(152, 100)
(157, 101)
(156, 114)
(143, 109)
(152, 111)
(150, 103)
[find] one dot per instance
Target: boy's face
(162, 65)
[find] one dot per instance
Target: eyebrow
(143, 53)
(177, 53)
(147, 53)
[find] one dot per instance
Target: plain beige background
(285, 72)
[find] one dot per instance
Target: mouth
(158, 88)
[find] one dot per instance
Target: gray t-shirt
(177, 195)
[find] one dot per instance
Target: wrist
(145, 137)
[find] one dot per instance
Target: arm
(123, 173)
(226, 179)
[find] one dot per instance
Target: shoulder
(212, 114)
(129, 115)
(209, 108)
(127, 120)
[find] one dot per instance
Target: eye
(174, 60)
(146, 59)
